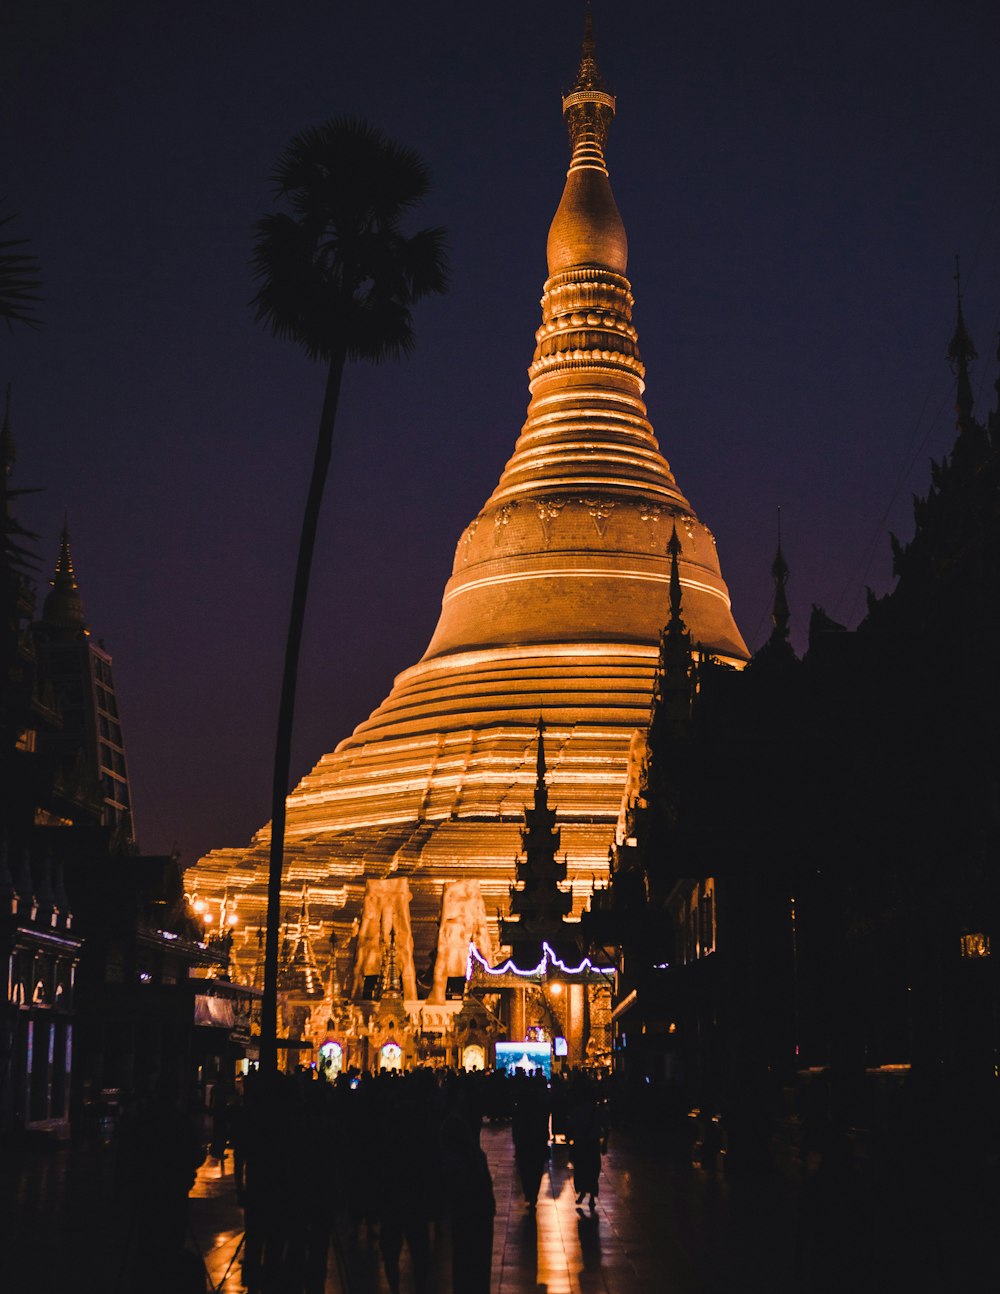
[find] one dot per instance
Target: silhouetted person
(408, 1179)
(588, 1131)
(471, 1206)
(221, 1108)
(530, 1131)
(160, 1150)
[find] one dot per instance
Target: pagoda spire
(63, 608)
(961, 353)
(779, 612)
(538, 904)
(300, 974)
(673, 684)
(541, 790)
(674, 552)
(391, 984)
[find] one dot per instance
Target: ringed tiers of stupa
(554, 607)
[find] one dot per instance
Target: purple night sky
(795, 181)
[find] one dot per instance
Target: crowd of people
(388, 1160)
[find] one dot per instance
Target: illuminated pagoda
(556, 599)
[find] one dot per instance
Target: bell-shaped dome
(587, 229)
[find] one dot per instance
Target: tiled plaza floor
(661, 1227)
(656, 1228)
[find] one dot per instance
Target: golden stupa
(555, 604)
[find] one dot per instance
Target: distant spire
(779, 612)
(63, 608)
(961, 353)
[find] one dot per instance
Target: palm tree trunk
(286, 712)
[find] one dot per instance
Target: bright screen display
(524, 1057)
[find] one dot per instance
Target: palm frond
(338, 274)
(19, 281)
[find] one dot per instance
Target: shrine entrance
(474, 1057)
(331, 1059)
(390, 1056)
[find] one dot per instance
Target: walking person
(588, 1130)
(159, 1153)
(530, 1131)
(471, 1204)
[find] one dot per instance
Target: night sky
(795, 180)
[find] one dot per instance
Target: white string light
(549, 958)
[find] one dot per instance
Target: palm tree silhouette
(338, 276)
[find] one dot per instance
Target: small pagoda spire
(672, 685)
(63, 608)
(541, 790)
(674, 552)
(391, 983)
(961, 353)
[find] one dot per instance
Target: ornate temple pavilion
(554, 606)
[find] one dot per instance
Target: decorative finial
(961, 353)
(589, 75)
(588, 108)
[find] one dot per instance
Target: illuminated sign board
(561, 1047)
(524, 1057)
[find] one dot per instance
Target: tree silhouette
(339, 277)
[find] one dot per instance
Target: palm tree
(338, 276)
